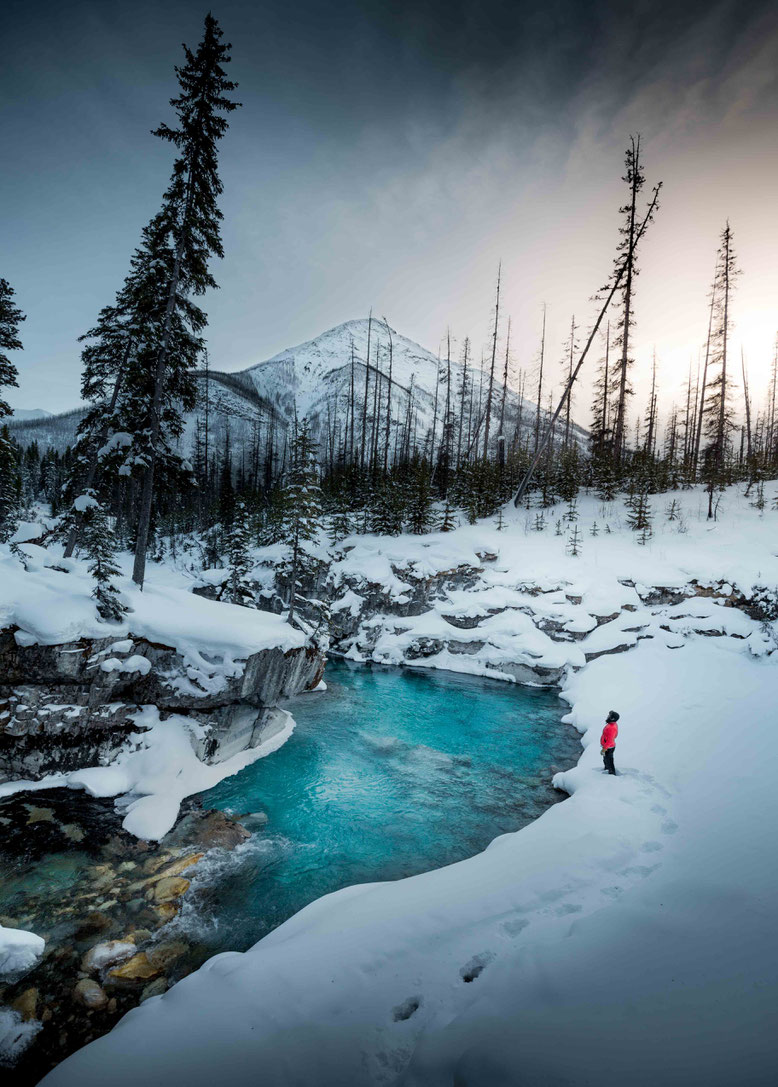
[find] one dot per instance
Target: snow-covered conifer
(448, 521)
(10, 484)
(239, 589)
(639, 511)
(300, 518)
(99, 545)
(420, 500)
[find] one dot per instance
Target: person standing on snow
(608, 741)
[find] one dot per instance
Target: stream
(389, 773)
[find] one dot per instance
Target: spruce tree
(10, 484)
(239, 586)
(420, 500)
(340, 526)
(574, 543)
(181, 239)
(99, 544)
(639, 511)
(387, 511)
(448, 521)
(301, 516)
(622, 386)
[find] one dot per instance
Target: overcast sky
(389, 154)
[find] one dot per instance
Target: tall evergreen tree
(239, 587)
(10, 319)
(99, 543)
(182, 238)
(301, 516)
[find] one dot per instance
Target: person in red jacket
(608, 741)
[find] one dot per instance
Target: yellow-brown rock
(177, 867)
(138, 968)
(26, 1004)
(166, 911)
(167, 889)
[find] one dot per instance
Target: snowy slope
(23, 414)
(626, 936)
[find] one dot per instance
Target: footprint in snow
(406, 1009)
(473, 969)
(513, 928)
(651, 847)
(567, 908)
(669, 827)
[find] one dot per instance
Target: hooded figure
(608, 741)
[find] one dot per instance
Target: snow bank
(19, 950)
(52, 606)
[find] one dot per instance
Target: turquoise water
(389, 773)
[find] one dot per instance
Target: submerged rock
(168, 889)
(138, 968)
(154, 988)
(90, 994)
(107, 954)
(26, 1004)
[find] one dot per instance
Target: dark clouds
(380, 158)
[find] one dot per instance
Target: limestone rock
(90, 994)
(138, 968)
(139, 936)
(166, 911)
(107, 954)
(62, 710)
(168, 889)
(178, 867)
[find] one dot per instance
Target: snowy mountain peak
(301, 372)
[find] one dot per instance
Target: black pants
(607, 758)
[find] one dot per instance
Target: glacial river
(390, 772)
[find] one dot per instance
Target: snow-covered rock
(71, 684)
(19, 950)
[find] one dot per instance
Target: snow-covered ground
(627, 935)
(50, 604)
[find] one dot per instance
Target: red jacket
(609, 734)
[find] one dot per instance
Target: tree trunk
(491, 368)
